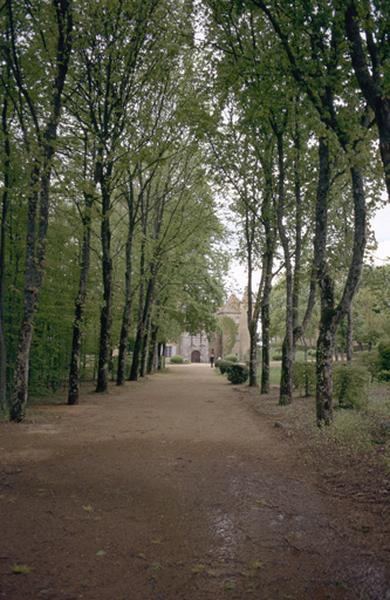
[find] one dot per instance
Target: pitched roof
(233, 305)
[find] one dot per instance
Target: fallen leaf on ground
(261, 502)
(21, 569)
(229, 586)
(198, 568)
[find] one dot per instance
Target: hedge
(237, 373)
(350, 384)
(223, 365)
(304, 377)
(177, 359)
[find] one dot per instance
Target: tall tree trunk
(134, 371)
(326, 337)
(331, 315)
(370, 80)
(75, 358)
(32, 282)
(145, 347)
(268, 219)
(265, 350)
(296, 285)
(286, 382)
(253, 354)
(159, 357)
(251, 317)
(106, 311)
(124, 334)
(324, 355)
(152, 351)
(3, 232)
(349, 340)
(38, 201)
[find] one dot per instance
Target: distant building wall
(232, 318)
(189, 344)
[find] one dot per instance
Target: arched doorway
(195, 356)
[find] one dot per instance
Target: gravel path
(170, 489)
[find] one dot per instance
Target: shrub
(384, 356)
(304, 377)
(177, 359)
(276, 357)
(370, 360)
(383, 375)
(223, 365)
(231, 358)
(350, 385)
(237, 373)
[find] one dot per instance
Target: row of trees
(123, 124)
(301, 139)
(107, 216)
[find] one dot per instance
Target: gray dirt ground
(172, 489)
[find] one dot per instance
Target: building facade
(232, 336)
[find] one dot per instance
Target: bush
(383, 375)
(384, 356)
(177, 359)
(350, 384)
(304, 377)
(237, 373)
(370, 360)
(223, 365)
(231, 358)
(276, 357)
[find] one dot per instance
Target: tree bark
(325, 341)
(370, 82)
(286, 381)
(349, 340)
(145, 346)
(38, 201)
(3, 232)
(124, 334)
(267, 266)
(75, 359)
(152, 351)
(106, 311)
(134, 371)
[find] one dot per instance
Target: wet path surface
(170, 489)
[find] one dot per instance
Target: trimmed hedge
(223, 365)
(231, 358)
(177, 359)
(350, 385)
(383, 375)
(304, 377)
(384, 356)
(237, 373)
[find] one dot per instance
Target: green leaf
(199, 568)
(21, 569)
(229, 586)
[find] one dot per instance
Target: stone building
(232, 336)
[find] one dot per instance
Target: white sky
(237, 278)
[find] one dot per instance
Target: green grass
(274, 375)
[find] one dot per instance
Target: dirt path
(166, 490)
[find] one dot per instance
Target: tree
(45, 29)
